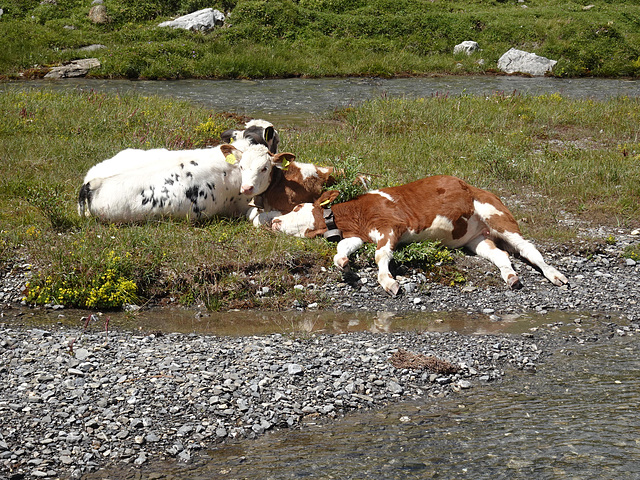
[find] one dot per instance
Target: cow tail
(84, 199)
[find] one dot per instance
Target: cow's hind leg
(528, 251)
(485, 248)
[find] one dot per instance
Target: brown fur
(288, 188)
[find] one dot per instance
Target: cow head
(256, 166)
(306, 219)
(256, 132)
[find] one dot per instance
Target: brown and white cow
(291, 184)
(440, 208)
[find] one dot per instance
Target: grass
(547, 156)
(264, 38)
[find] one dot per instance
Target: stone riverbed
(73, 400)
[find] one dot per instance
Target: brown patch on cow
(500, 223)
(288, 188)
(459, 228)
(418, 361)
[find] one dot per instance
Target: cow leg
(346, 247)
(384, 255)
(527, 250)
(485, 248)
(259, 218)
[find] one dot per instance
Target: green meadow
(550, 158)
(286, 38)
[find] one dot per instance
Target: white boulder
(202, 20)
(520, 61)
(468, 47)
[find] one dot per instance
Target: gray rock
(98, 14)
(468, 47)
(202, 20)
(75, 68)
(519, 61)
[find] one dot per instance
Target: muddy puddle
(248, 322)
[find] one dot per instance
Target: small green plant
(109, 288)
(632, 252)
(417, 255)
(430, 257)
(211, 129)
(348, 183)
(610, 240)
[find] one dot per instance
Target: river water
(577, 417)
(299, 99)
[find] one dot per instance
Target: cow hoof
(515, 283)
(393, 289)
(341, 262)
(560, 280)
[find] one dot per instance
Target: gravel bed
(73, 401)
(601, 280)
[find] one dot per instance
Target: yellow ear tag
(231, 159)
(285, 165)
(326, 202)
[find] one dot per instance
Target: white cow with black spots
(137, 185)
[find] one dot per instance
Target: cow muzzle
(246, 189)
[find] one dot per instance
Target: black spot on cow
(168, 181)
(189, 175)
(194, 163)
(192, 194)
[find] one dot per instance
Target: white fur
(295, 223)
(382, 194)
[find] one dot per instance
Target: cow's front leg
(384, 255)
(346, 247)
(258, 217)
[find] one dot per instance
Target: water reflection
(255, 322)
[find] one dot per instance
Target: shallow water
(299, 98)
(576, 418)
(255, 322)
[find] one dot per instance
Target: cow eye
(264, 169)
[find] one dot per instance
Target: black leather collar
(333, 234)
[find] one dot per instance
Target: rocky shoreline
(74, 401)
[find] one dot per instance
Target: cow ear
(231, 153)
(269, 132)
(227, 136)
(327, 198)
(283, 160)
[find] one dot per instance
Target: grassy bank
(548, 157)
(321, 37)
